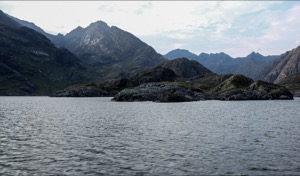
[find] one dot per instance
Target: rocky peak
(220, 55)
(177, 53)
(255, 56)
(103, 45)
(98, 25)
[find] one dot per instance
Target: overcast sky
(234, 27)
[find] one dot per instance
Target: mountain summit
(100, 44)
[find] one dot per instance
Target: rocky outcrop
(161, 92)
(234, 87)
(186, 68)
(258, 90)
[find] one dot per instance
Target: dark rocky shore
(233, 87)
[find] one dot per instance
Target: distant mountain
(186, 68)
(222, 63)
(253, 64)
(99, 44)
(287, 64)
(179, 53)
(31, 65)
(32, 26)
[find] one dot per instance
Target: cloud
(236, 27)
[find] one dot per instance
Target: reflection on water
(94, 136)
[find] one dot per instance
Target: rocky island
(180, 80)
(225, 87)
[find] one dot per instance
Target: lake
(96, 136)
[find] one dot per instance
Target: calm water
(94, 136)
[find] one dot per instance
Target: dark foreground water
(94, 136)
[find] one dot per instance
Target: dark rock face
(186, 68)
(234, 87)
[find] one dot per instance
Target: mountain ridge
(287, 64)
(101, 44)
(105, 52)
(222, 63)
(31, 65)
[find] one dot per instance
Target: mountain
(31, 65)
(99, 44)
(5, 20)
(31, 26)
(292, 82)
(180, 69)
(179, 53)
(222, 63)
(253, 64)
(113, 86)
(287, 64)
(186, 68)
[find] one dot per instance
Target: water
(94, 136)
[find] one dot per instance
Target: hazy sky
(233, 27)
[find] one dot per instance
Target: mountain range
(34, 62)
(283, 69)
(222, 63)
(31, 60)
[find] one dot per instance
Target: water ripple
(94, 136)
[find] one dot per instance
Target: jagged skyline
(234, 27)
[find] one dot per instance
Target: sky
(234, 27)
